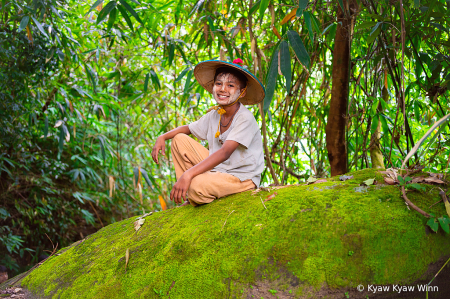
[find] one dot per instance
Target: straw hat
(204, 73)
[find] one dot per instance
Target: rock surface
(307, 241)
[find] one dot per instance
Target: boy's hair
(228, 70)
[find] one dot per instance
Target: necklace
(231, 117)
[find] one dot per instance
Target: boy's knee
(180, 136)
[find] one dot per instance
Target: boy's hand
(180, 188)
(160, 145)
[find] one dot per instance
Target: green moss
(301, 242)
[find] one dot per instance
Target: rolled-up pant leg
(205, 187)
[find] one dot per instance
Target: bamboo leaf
(302, 4)
(155, 79)
(254, 7)
(188, 82)
(102, 147)
(125, 16)
(271, 80)
(131, 10)
(285, 64)
(146, 177)
(23, 23)
(424, 137)
(111, 19)
(147, 76)
(105, 11)
(307, 16)
(298, 47)
(365, 25)
(97, 3)
(262, 7)
(162, 203)
(181, 75)
(341, 4)
(46, 127)
(39, 26)
(289, 16)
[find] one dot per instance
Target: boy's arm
(181, 186)
(160, 144)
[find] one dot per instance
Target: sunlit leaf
(289, 16)
(97, 3)
(299, 48)
(162, 203)
(39, 26)
(271, 81)
(105, 11)
(131, 10)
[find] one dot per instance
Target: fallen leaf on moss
(345, 177)
(254, 192)
(138, 224)
(390, 181)
(447, 204)
(369, 182)
(320, 181)
(127, 257)
(418, 179)
(145, 215)
(270, 197)
(433, 180)
(311, 180)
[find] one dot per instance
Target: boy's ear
(245, 92)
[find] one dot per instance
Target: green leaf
(164, 126)
(46, 127)
(254, 7)
(91, 76)
(374, 34)
(171, 53)
(61, 139)
(262, 7)
(188, 82)
(433, 224)
(155, 80)
(102, 147)
(271, 80)
(97, 3)
(375, 121)
(341, 4)
(23, 23)
(365, 25)
(146, 82)
(131, 10)
(146, 177)
(384, 125)
(302, 4)
(416, 3)
(125, 16)
(111, 19)
(417, 111)
(105, 11)
(285, 63)
(39, 26)
(180, 76)
(307, 16)
(298, 47)
(444, 224)
(369, 182)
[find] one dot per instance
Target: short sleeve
(200, 127)
(244, 129)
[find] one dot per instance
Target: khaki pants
(205, 187)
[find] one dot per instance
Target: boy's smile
(226, 89)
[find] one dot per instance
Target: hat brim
(204, 73)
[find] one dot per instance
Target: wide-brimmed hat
(204, 73)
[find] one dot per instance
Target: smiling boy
(235, 160)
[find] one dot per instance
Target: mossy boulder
(330, 236)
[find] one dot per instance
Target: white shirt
(247, 161)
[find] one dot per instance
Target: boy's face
(226, 89)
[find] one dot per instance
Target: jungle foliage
(86, 88)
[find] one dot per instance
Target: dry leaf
(127, 257)
(256, 191)
(112, 185)
(320, 181)
(433, 180)
(289, 16)
(162, 203)
(270, 197)
(29, 36)
(447, 204)
(275, 31)
(58, 123)
(417, 179)
(390, 181)
(138, 223)
(345, 177)
(311, 180)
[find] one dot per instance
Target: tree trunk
(337, 116)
